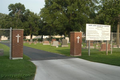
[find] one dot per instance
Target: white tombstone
(64, 43)
(67, 38)
(46, 43)
(55, 43)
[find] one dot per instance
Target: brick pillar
(75, 43)
(17, 44)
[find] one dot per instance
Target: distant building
(44, 36)
(4, 38)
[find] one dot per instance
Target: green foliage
(2, 16)
(109, 13)
(61, 17)
(19, 18)
(16, 8)
(31, 23)
(15, 69)
(16, 13)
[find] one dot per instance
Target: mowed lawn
(96, 55)
(15, 69)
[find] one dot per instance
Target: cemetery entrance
(5, 38)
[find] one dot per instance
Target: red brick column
(17, 44)
(75, 43)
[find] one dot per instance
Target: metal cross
(18, 38)
(78, 39)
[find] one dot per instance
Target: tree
(110, 14)
(42, 31)
(16, 12)
(24, 19)
(4, 22)
(2, 16)
(21, 18)
(31, 22)
(62, 17)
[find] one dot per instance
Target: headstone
(115, 46)
(35, 43)
(103, 47)
(30, 42)
(44, 39)
(60, 41)
(55, 43)
(82, 45)
(27, 41)
(40, 42)
(53, 40)
(67, 38)
(1, 52)
(97, 47)
(91, 45)
(17, 44)
(75, 43)
(64, 43)
(46, 43)
(56, 46)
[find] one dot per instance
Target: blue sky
(33, 5)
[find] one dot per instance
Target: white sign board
(97, 32)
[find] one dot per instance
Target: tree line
(62, 17)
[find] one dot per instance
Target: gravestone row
(64, 42)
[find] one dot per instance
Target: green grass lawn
(15, 69)
(96, 55)
(49, 48)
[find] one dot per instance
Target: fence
(5, 38)
(101, 45)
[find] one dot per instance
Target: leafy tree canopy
(69, 15)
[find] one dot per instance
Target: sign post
(98, 32)
(10, 43)
(89, 47)
(111, 41)
(106, 47)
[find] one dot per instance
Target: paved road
(75, 69)
(36, 54)
(52, 66)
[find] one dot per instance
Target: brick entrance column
(75, 43)
(17, 44)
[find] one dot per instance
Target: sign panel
(97, 32)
